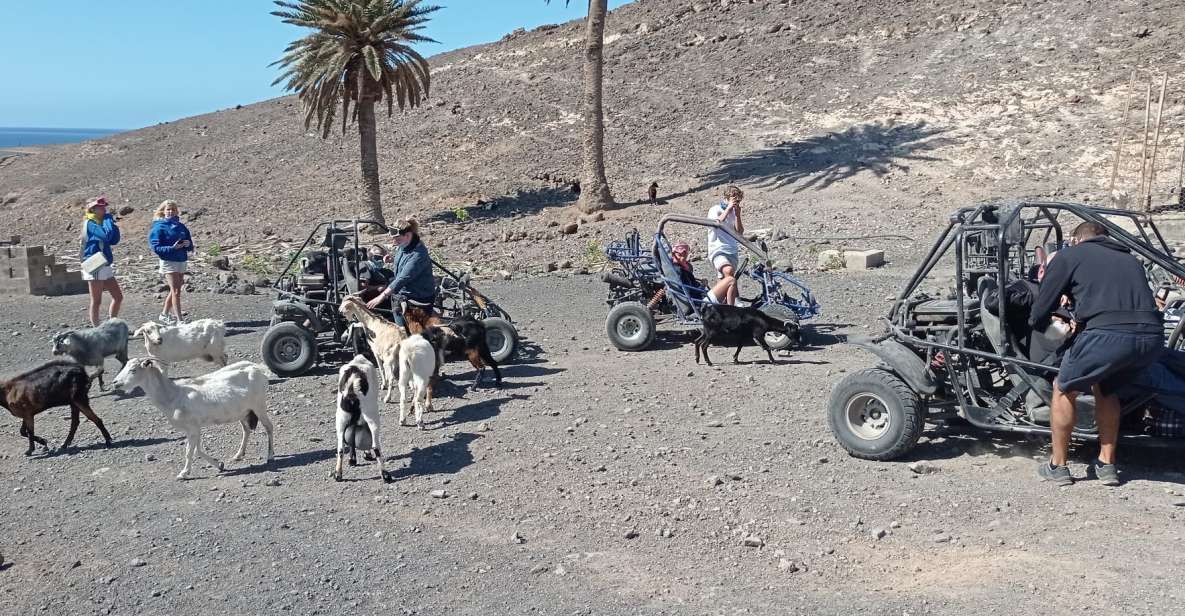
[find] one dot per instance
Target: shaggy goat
(90, 346)
(57, 383)
(169, 344)
(358, 414)
(464, 336)
(737, 326)
(237, 392)
(383, 335)
(417, 363)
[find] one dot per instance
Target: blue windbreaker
(164, 234)
(100, 237)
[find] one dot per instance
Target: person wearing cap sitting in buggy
(412, 282)
(1120, 333)
(692, 285)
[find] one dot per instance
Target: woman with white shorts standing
(99, 234)
(171, 242)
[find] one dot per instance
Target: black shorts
(1107, 358)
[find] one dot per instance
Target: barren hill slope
(838, 116)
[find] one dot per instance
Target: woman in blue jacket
(99, 234)
(171, 242)
(413, 271)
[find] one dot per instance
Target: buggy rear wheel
(630, 326)
(776, 341)
(501, 337)
(875, 415)
(288, 349)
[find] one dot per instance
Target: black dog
(725, 325)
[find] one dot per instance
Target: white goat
(358, 413)
(417, 363)
(384, 338)
(204, 338)
(237, 392)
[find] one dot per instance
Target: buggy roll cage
(1009, 231)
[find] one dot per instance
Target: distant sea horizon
(13, 137)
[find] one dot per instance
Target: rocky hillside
(839, 117)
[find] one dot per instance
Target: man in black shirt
(1120, 333)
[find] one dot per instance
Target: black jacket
(1108, 285)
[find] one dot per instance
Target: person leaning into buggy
(412, 281)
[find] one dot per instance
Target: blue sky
(133, 63)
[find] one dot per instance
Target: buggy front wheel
(875, 415)
(501, 338)
(630, 326)
(288, 349)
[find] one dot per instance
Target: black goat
(725, 325)
(464, 336)
(57, 383)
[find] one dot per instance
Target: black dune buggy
(945, 357)
(646, 288)
(306, 324)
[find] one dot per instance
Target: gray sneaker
(1059, 475)
(1107, 474)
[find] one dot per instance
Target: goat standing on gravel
(357, 414)
(417, 364)
(725, 325)
(203, 338)
(57, 383)
(464, 336)
(384, 338)
(237, 392)
(90, 346)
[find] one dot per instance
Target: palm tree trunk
(594, 189)
(367, 133)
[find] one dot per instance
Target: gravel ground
(593, 482)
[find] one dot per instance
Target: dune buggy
(945, 357)
(306, 325)
(645, 288)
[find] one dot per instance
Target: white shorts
(711, 297)
(103, 273)
(173, 267)
(720, 260)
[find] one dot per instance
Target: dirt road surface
(593, 482)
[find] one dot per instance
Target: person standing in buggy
(412, 280)
(171, 243)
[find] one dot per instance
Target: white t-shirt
(722, 243)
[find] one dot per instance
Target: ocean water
(16, 137)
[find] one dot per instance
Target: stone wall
(27, 270)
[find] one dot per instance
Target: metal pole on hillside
(1144, 144)
(1127, 107)
(1181, 174)
(1164, 82)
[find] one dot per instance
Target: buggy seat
(1038, 384)
(680, 294)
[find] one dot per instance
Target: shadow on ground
(522, 202)
(820, 161)
(444, 458)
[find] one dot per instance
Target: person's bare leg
(1106, 417)
(96, 299)
(730, 290)
(1061, 423)
(175, 281)
(116, 298)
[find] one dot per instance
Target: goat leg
(201, 453)
(242, 452)
(74, 421)
(736, 357)
(376, 440)
(85, 406)
(337, 470)
(28, 430)
(759, 336)
(489, 361)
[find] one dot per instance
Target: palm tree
(594, 193)
(360, 51)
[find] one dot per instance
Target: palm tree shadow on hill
(528, 201)
(820, 161)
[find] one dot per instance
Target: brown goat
(57, 383)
